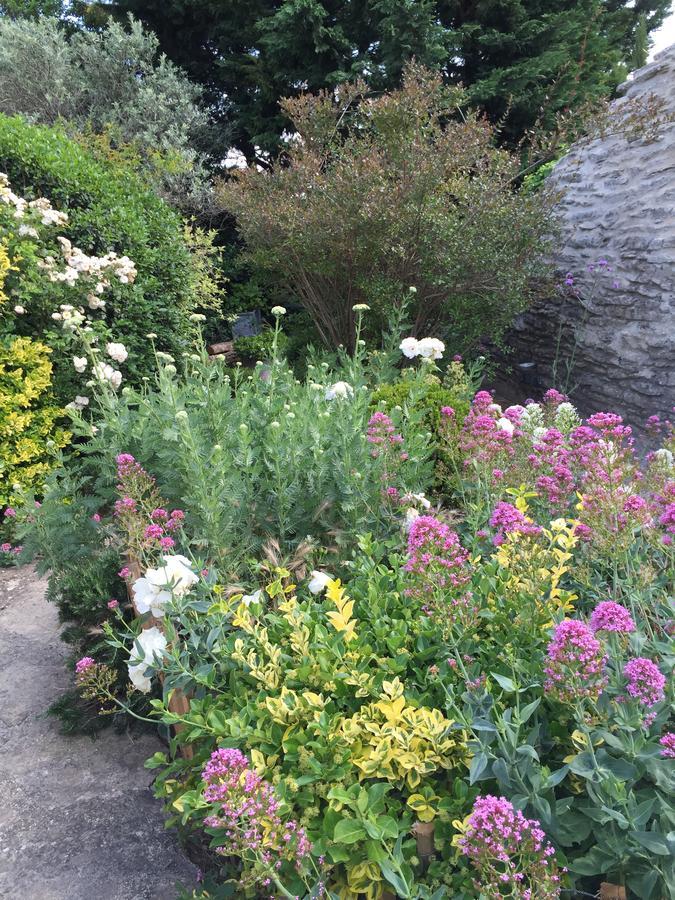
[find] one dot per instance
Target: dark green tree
(523, 61)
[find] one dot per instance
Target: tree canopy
(522, 61)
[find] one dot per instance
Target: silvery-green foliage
(110, 80)
(261, 456)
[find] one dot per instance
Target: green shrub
(109, 209)
(393, 191)
(259, 346)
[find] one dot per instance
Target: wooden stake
(612, 891)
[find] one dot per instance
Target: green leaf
(477, 767)
(526, 711)
(388, 826)
(505, 683)
(348, 831)
(583, 765)
(394, 879)
(654, 842)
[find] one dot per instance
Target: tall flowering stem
(387, 445)
(439, 574)
(147, 526)
(246, 816)
(510, 853)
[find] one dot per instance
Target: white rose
(118, 352)
(80, 363)
(339, 389)
(116, 379)
(664, 457)
(152, 645)
(409, 347)
(319, 581)
(177, 572)
(148, 596)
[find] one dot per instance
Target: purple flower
(646, 683)
(610, 616)
(668, 744)
(10, 512)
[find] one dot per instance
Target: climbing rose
(153, 645)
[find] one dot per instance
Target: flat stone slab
(77, 817)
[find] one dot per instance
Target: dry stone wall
(618, 338)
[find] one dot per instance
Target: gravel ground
(77, 816)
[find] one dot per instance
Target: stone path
(77, 817)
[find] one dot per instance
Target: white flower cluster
(78, 404)
(566, 418)
(70, 317)
(427, 348)
(664, 457)
(40, 209)
(339, 390)
(532, 418)
(118, 352)
(104, 372)
(99, 268)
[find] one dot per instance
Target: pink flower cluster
(645, 681)
(8, 548)
(509, 852)
(482, 440)
(82, 665)
(435, 550)
(610, 616)
(247, 817)
(575, 663)
(506, 519)
(667, 742)
(387, 445)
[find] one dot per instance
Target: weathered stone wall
(618, 338)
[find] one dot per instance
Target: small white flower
(495, 409)
(360, 307)
(197, 317)
(506, 425)
(408, 347)
(152, 645)
(181, 416)
(19, 310)
(319, 581)
(151, 335)
(27, 231)
(278, 311)
(339, 390)
(247, 599)
(118, 352)
(80, 363)
(412, 289)
(664, 457)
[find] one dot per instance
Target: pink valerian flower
(645, 681)
(83, 664)
(113, 604)
(153, 532)
(447, 412)
(6, 547)
(124, 572)
(96, 518)
(509, 852)
(386, 444)
(484, 437)
(246, 815)
(554, 398)
(166, 543)
(667, 742)
(10, 512)
(610, 616)
(576, 662)
(506, 519)
(438, 571)
(159, 513)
